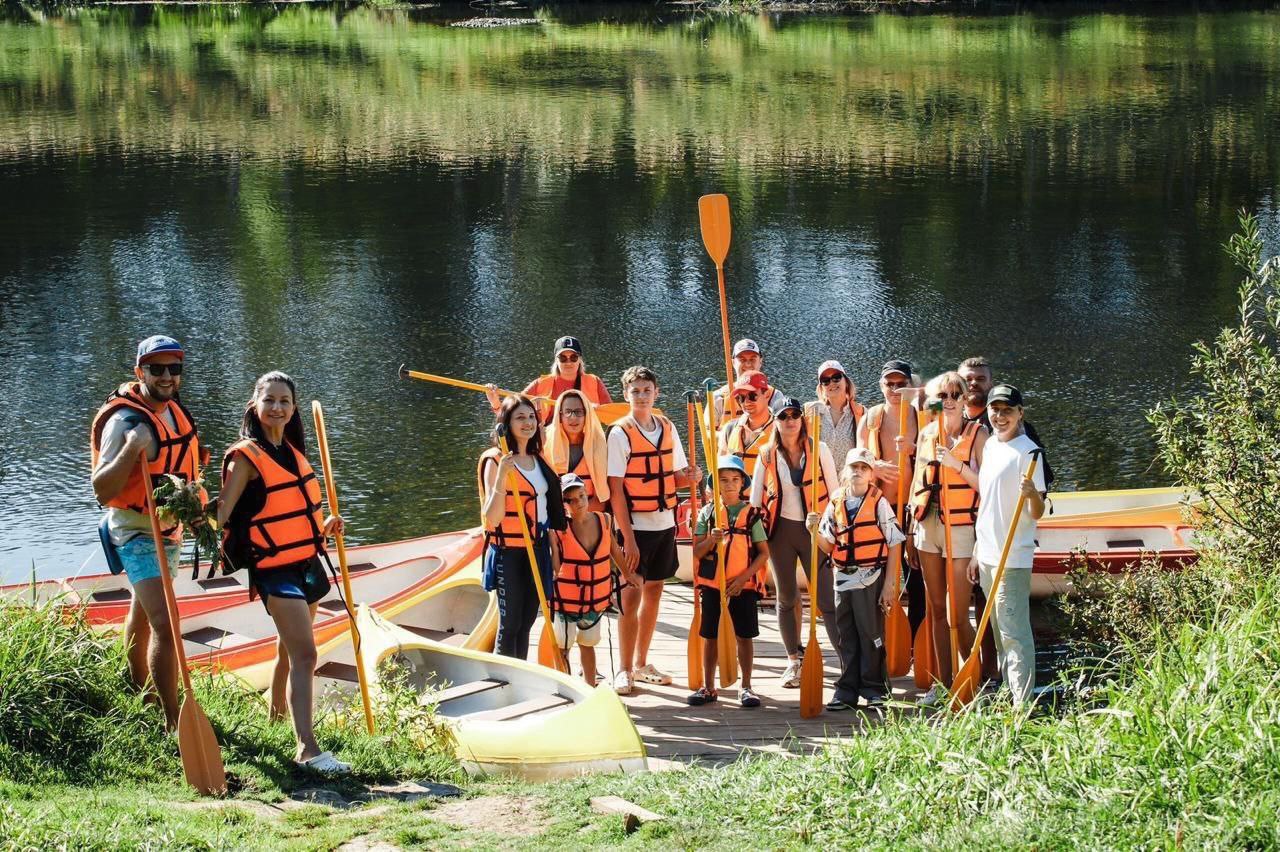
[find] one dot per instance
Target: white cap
(746, 344)
(859, 455)
(571, 480)
(831, 365)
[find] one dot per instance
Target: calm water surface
(335, 191)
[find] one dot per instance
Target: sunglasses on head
(568, 357)
(752, 396)
(832, 379)
(789, 414)
(158, 370)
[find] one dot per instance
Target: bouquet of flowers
(179, 501)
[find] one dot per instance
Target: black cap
(569, 343)
(791, 402)
(897, 365)
(1007, 394)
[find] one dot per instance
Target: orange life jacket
(773, 491)
(749, 452)
(584, 472)
(508, 533)
(650, 480)
(861, 542)
(178, 448)
(289, 527)
(545, 385)
(961, 499)
(739, 550)
(585, 583)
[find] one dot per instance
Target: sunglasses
(790, 414)
(746, 397)
(895, 385)
(832, 379)
(568, 358)
(950, 394)
(158, 370)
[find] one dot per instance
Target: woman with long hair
(838, 406)
(269, 511)
(506, 561)
(575, 443)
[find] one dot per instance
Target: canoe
(105, 598)
(438, 593)
(508, 716)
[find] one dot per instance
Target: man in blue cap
(144, 420)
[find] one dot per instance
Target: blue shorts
(305, 581)
(138, 555)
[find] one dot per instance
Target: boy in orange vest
(746, 552)
(585, 582)
(861, 534)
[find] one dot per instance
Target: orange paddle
(608, 412)
(713, 216)
(953, 594)
(965, 686)
(694, 645)
(331, 490)
(549, 653)
(198, 747)
(897, 629)
(726, 640)
(811, 669)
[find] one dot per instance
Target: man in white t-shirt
(1001, 481)
(646, 465)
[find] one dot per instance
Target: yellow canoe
(508, 716)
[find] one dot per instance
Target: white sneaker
(933, 698)
(622, 683)
(648, 674)
(791, 675)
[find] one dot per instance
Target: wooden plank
(464, 690)
(523, 708)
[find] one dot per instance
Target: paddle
(549, 653)
(694, 644)
(953, 619)
(198, 747)
(331, 490)
(713, 216)
(726, 646)
(965, 685)
(608, 413)
(897, 629)
(811, 669)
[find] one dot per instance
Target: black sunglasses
(790, 414)
(746, 397)
(950, 394)
(832, 379)
(567, 357)
(158, 370)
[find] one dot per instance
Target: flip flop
(325, 763)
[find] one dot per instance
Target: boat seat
(428, 633)
(522, 708)
(360, 566)
(111, 596)
(1125, 543)
(463, 690)
(214, 637)
(333, 605)
(338, 671)
(219, 583)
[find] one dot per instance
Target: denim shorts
(138, 555)
(305, 581)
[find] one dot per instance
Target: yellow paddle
(726, 644)
(198, 747)
(713, 216)
(811, 669)
(608, 412)
(953, 613)
(549, 653)
(897, 629)
(331, 490)
(694, 644)
(965, 685)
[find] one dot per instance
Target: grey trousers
(790, 543)
(1011, 628)
(861, 624)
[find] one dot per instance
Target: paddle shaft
(162, 557)
(694, 644)
(729, 404)
(459, 383)
(1004, 558)
(953, 593)
(331, 491)
(727, 648)
(814, 471)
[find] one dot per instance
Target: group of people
(601, 508)
(924, 480)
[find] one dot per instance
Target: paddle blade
(694, 660)
(897, 641)
(201, 757)
(811, 679)
(925, 667)
(549, 653)
(965, 686)
(612, 412)
(713, 215)
(727, 648)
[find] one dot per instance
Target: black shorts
(658, 559)
(302, 581)
(743, 612)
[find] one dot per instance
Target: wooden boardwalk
(720, 732)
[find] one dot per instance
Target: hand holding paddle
(811, 669)
(965, 686)
(331, 490)
(198, 747)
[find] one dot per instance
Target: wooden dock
(722, 731)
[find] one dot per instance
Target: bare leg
(628, 627)
(935, 586)
(588, 656)
(137, 641)
(651, 595)
(293, 620)
(160, 657)
(965, 630)
(746, 656)
(279, 684)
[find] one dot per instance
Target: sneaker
(875, 701)
(747, 698)
(935, 697)
(622, 683)
(648, 674)
(701, 696)
(791, 675)
(835, 705)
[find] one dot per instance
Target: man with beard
(976, 372)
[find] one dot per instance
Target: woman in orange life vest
(837, 403)
(506, 561)
(269, 510)
(960, 443)
(585, 583)
(782, 489)
(568, 371)
(575, 443)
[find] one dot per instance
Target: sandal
(648, 674)
(325, 763)
(702, 696)
(747, 698)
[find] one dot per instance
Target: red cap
(752, 380)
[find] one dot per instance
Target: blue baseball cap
(734, 463)
(158, 344)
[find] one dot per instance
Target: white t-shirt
(620, 454)
(999, 478)
(539, 483)
(126, 524)
(861, 577)
(792, 502)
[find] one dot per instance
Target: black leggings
(517, 602)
